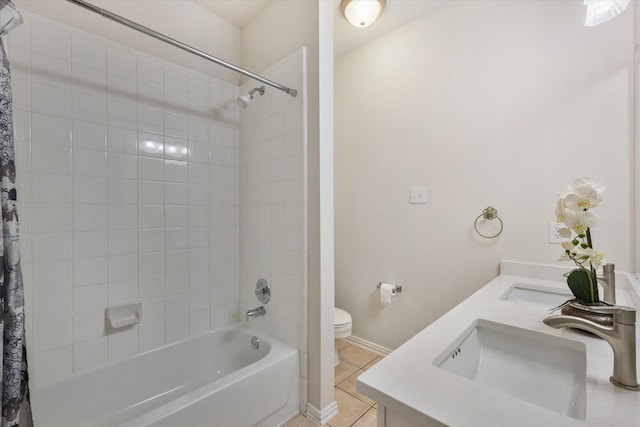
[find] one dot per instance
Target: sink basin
(524, 293)
(544, 370)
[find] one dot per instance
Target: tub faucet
(621, 336)
(608, 282)
(255, 312)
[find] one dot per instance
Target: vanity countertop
(407, 381)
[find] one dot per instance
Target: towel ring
(489, 213)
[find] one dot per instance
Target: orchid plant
(573, 210)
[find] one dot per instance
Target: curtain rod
(124, 21)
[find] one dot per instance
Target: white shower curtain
(16, 408)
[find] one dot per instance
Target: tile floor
(354, 409)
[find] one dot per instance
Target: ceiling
(346, 36)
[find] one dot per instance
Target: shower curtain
(16, 407)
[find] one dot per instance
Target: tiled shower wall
(273, 182)
(128, 188)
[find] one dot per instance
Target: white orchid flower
(596, 258)
(579, 221)
(560, 211)
(589, 182)
(582, 198)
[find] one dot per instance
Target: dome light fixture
(362, 13)
(599, 11)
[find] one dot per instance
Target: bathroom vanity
(491, 361)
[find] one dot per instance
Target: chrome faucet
(255, 312)
(621, 336)
(608, 282)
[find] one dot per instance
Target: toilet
(341, 327)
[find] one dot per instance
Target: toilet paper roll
(387, 291)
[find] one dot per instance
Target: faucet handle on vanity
(621, 313)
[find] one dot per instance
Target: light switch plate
(418, 195)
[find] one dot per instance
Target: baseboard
(321, 417)
(368, 345)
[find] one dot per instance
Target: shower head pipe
(148, 31)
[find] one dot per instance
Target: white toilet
(341, 327)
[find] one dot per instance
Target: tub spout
(255, 312)
(621, 336)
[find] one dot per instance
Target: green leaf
(583, 285)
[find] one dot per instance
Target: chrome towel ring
(490, 214)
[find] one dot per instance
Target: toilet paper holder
(396, 288)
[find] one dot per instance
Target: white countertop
(408, 382)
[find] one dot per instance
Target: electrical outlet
(554, 234)
(418, 195)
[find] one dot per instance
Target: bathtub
(213, 380)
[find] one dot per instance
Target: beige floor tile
(368, 419)
(373, 362)
(343, 371)
(299, 421)
(349, 409)
(340, 344)
(357, 356)
(349, 386)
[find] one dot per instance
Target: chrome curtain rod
(124, 21)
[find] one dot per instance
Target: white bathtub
(212, 380)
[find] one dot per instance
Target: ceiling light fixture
(599, 11)
(361, 13)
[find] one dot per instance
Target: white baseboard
(368, 345)
(321, 417)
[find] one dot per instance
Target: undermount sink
(544, 370)
(525, 293)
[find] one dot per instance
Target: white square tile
(89, 80)
(151, 240)
(89, 244)
(122, 242)
(89, 135)
(198, 216)
(150, 193)
(122, 165)
(47, 129)
(176, 194)
(219, 317)
(198, 322)
(198, 194)
(49, 70)
(152, 287)
(50, 39)
(121, 63)
(89, 189)
(177, 329)
(121, 89)
(123, 343)
(176, 261)
(89, 326)
(176, 125)
(152, 336)
(122, 140)
(87, 51)
(150, 72)
(175, 80)
(54, 305)
(90, 271)
(47, 99)
(51, 366)
(50, 159)
(153, 311)
(198, 87)
(175, 103)
(176, 148)
(177, 305)
(52, 334)
(122, 114)
(198, 301)
(50, 247)
(198, 152)
(198, 128)
(150, 169)
(150, 121)
(89, 162)
(176, 238)
(199, 260)
(88, 299)
(176, 216)
(122, 216)
(51, 276)
(122, 191)
(176, 283)
(151, 264)
(89, 108)
(123, 267)
(89, 217)
(90, 354)
(50, 218)
(47, 188)
(151, 145)
(176, 171)
(123, 292)
(150, 96)
(151, 216)
(199, 237)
